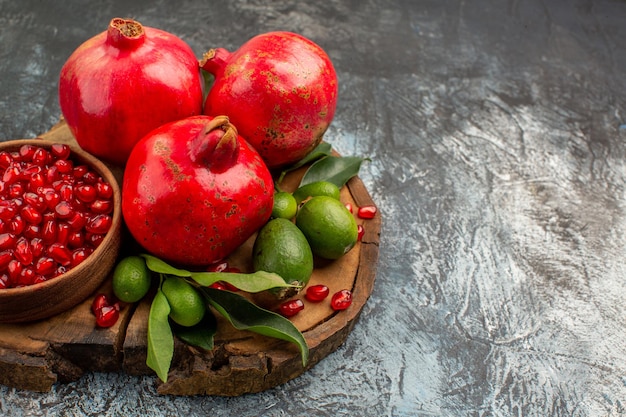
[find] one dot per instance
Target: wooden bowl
(46, 299)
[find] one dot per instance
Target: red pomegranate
(279, 89)
(122, 83)
(194, 191)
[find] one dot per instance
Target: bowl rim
(116, 218)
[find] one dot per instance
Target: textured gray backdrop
(496, 132)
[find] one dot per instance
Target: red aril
(341, 300)
(107, 316)
(279, 89)
(122, 83)
(194, 191)
(360, 230)
(317, 293)
(366, 212)
(291, 307)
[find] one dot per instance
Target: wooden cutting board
(34, 356)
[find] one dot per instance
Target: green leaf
(245, 315)
(320, 151)
(160, 338)
(161, 267)
(200, 335)
(253, 282)
(335, 169)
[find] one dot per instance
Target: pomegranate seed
(66, 191)
(60, 150)
(45, 266)
(291, 307)
(27, 276)
(36, 246)
(230, 287)
(14, 268)
(218, 267)
(27, 152)
(15, 155)
(79, 255)
(60, 254)
(5, 257)
(99, 224)
(7, 241)
(90, 177)
(49, 232)
(63, 233)
(39, 278)
(94, 239)
(31, 214)
(86, 193)
(32, 231)
(64, 166)
(317, 293)
(35, 200)
(51, 198)
(4, 281)
(16, 226)
(77, 221)
(64, 210)
(104, 190)
(76, 239)
(360, 232)
(36, 181)
(79, 171)
(11, 174)
(16, 190)
(107, 316)
(219, 285)
(59, 271)
(7, 210)
(99, 301)
(23, 252)
(5, 159)
(101, 206)
(367, 212)
(341, 300)
(41, 157)
(349, 207)
(52, 175)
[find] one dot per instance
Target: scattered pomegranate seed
(218, 267)
(341, 300)
(219, 285)
(349, 207)
(291, 308)
(367, 212)
(317, 293)
(107, 316)
(360, 232)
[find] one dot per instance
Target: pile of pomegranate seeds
(53, 214)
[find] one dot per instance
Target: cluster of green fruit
(310, 221)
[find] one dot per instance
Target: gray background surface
(497, 137)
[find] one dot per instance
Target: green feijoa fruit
(315, 189)
(280, 247)
(285, 205)
(328, 226)
(187, 306)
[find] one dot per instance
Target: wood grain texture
(64, 347)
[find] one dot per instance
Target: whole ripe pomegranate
(279, 89)
(194, 191)
(122, 83)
